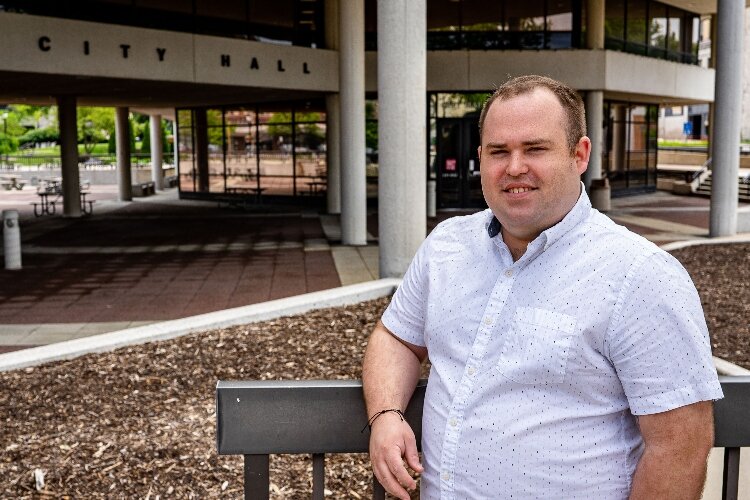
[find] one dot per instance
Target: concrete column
(727, 118)
(595, 24)
(594, 120)
(352, 90)
(175, 148)
(619, 137)
(201, 148)
(71, 185)
(333, 117)
(402, 112)
(157, 152)
(122, 141)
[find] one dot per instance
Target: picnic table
(10, 181)
(48, 188)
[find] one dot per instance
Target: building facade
(288, 99)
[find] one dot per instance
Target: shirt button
(509, 272)
(454, 422)
(471, 370)
(445, 476)
(487, 320)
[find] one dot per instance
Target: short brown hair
(569, 99)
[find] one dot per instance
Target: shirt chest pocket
(537, 346)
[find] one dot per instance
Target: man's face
(530, 178)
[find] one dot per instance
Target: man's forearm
(660, 474)
(390, 372)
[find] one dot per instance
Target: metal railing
(50, 162)
(259, 418)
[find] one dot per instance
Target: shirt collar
(577, 214)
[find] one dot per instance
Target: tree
(146, 140)
(94, 123)
(8, 144)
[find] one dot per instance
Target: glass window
(525, 16)
(674, 43)
(636, 26)
(614, 19)
(478, 15)
(443, 15)
(226, 9)
(657, 28)
(559, 24)
(185, 6)
(276, 13)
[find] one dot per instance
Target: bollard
(600, 194)
(431, 198)
(11, 239)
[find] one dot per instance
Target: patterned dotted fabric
(539, 365)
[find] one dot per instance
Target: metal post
(319, 478)
(431, 198)
(257, 478)
(11, 240)
(731, 483)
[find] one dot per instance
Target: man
(570, 357)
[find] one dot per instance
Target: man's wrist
(377, 415)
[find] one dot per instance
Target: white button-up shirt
(539, 365)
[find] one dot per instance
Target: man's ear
(582, 154)
(479, 153)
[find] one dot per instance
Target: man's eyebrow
(530, 142)
(537, 142)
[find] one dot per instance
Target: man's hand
(389, 375)
(391, 441)
(677, 442)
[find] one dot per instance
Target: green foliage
(40, 135)
(146, 138)
(94, 124)
(280, 125)
(8, 144)
(112, 143)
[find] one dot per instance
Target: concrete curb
(70, 349)
(723, 367)
(739, 238)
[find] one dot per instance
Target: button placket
(461, 398)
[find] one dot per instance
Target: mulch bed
(139, 421)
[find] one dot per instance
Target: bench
(170, 181)
(258, 418)
(144, 189)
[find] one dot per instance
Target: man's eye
(536, 149)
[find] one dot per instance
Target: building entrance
(457, 163)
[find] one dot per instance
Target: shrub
(40, 135)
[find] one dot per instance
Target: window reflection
(276, 150)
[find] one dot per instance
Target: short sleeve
(658, 341)
(405, 315)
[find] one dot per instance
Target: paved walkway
(160, 258)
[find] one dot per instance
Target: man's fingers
(388, 480)
(396, 466)
(411, 455)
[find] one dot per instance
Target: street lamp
(5, 123)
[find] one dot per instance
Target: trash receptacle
(599, 192)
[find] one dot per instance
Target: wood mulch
(139, 421)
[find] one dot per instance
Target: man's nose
(516, 165)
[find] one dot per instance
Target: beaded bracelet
(375, 417)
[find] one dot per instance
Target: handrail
(258, 418)
(692, 177)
